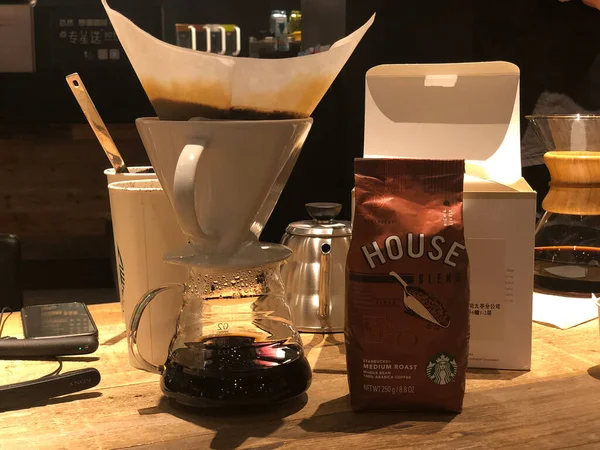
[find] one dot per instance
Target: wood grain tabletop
(556, 405)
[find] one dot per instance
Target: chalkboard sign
(72, 38)
(92, 39)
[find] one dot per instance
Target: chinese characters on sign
(483, 309)
(83, 22)
(96, 35)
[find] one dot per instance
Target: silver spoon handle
(96, 122)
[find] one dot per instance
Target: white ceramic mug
(145, 228)
(223, 177)
(135, 173)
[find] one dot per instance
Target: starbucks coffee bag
(407, 312)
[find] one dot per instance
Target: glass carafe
(567, 253)
(234, 343)
(567, 240)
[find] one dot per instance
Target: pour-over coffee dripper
(567, 240)
(235, 343)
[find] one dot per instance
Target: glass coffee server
(235, 343)
(567, 240)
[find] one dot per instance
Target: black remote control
(29, 393)
(54, 346)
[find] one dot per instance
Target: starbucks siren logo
(121, 269)
(442, 368)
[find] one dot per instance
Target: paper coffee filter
(183, 83)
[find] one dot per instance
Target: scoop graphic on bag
(422, 304)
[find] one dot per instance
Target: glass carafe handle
(136, 317)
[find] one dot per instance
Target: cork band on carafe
(575, 182)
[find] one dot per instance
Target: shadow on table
(116, 339)
(79, 358)
(74, 397)
(494, 374)
(327, 341)
(336, 416)
(52, 401)
(232, 426)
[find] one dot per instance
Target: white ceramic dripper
(223, 178)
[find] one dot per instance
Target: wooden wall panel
(53, 192)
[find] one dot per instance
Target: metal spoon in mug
(96, 122)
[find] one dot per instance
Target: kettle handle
(184, 193)
(324, 281)
(136, 317)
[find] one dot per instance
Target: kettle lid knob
(323, 211)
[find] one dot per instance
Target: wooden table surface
(556, 405)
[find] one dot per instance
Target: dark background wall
(53, 192)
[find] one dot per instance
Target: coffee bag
(407, 312)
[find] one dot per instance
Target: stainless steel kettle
(315, 274)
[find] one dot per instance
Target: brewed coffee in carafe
(567, 240)
(235, 343)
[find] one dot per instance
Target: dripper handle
(136, 317)
(184, 193)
